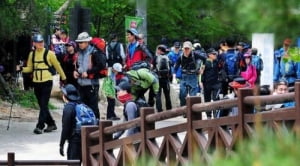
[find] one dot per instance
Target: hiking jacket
(190, 64)
(250, 74)
(143, 79)
(287, 69)
(211, 72)
(40, 70)
(88, 63)
(140, 53)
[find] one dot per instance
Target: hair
(281, 82)
(230, 42)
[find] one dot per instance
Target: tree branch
(63, 8)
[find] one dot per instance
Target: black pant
(42, 92)
(211, 92)
(111, 102)
(89, 96)
(164, 85)
(74, 148)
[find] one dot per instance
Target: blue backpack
(257, 62)
(231, 60)
(84, 116)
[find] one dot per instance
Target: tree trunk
(63, 8)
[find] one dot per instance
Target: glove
(61, 151)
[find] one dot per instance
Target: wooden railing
(12, 162)
(176, 144)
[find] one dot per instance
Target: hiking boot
(50, 128)
(37, 131)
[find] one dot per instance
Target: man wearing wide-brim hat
(87, 69)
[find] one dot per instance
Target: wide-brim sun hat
(70, 92)
(83, 37)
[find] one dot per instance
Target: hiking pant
(74, 148)
(188, 85)
(42, 91)
(111, 102)
(164, 85)
(211, 92)
(89, 96)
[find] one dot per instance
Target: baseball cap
(212, 51)
(187, 44)
(133, 32)
(38, 38)
(117, 67)
(124, 85)
(70, 92)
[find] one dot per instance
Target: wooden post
(11, 159)
(243, 109)
(103, 138)
(145, 126)
(190, 117)
(86, 142)
(297, 108)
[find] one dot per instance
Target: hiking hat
(188, 44)
(133, 32)
(212, 51)
(177, 44)
(117, 67)
(83, 37)
(38, 38)
(124, 85)
(70, 92)
(239, 83)
(162, 48)
(71, 43)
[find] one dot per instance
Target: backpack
(231, 60)
(84, 116)
(163, 65)
(114, 55)
(50, 68)
(257, 62)
(59, 49)
(140, 65)
(140, 103)
(99, 60)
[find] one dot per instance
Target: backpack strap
(44, 60)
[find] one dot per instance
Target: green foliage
(294, 54)
(265, 148)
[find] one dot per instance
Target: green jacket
(143, 79)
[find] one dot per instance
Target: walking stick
(10, 94)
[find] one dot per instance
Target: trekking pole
(10, 94)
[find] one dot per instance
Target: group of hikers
(128, 72)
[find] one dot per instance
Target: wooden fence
(177, 144)
(12, 162)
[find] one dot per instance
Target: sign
(133, 22)
(264, 42)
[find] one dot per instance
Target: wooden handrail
(216, 105)
(166, 114)
(269, 99)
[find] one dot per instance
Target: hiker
(108, 89)
(280, 87)
(70, 95)
(210, 78)
(162, 67)
(42, 81)
(173, 55)
(131, 106)
(250, 74)
(115, 51)
(69, 62)
(89, 64)
(236, 84)
(190, 71)
(136, 51)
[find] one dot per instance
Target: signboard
(264, 42)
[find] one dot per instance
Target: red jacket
(138, 55)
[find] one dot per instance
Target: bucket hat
(83, 37)
(70, 92)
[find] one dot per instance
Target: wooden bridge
(200, 136)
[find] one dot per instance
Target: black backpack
(163, 65)
(140, 65)
(114, 55)
(99, 60)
